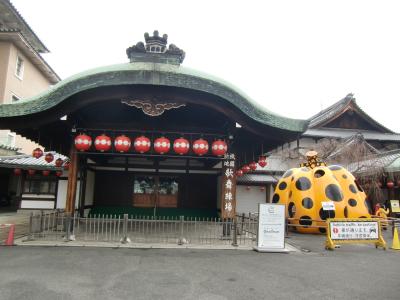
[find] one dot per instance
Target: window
(38, 185)
(19, 70)
(14, 98)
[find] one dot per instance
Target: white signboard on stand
(271, 228)
(328, 205)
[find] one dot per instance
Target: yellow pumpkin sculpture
(304, 189)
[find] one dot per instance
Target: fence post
(234, 242)
(41, 222)
(181, 239)
(125, 239)
(30, 234)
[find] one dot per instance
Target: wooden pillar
(72, 180)
(228, 187)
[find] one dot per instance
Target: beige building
(23, 72)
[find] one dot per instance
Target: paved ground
(352, 272)
(21, 222)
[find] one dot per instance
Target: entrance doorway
(155, 191)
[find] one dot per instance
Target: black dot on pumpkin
(352, 202)
(307, 203)
(346, 214)
(335, 168)
(322, 230)
(352, 188)
(305, 220)
(291, 209)
(319, 173)
(325, 214)
(303, 184)
(282, 185)
(287, 173)
(333, 192)
(344, 176)
(275, 198)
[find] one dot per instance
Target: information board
(271, 227)
(394, 205)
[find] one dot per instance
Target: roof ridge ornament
(155, 50)
(152, 108)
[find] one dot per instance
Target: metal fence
(56, 225)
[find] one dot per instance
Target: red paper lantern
(49, 157)
(219, 148)
(59, 162)
(46, 172)
(102, 143)
(390, 184)
(262, 161)
(142, 144)
(83, 142)
(181, 146)
(246, 169)
(253, 166)
(66, 165)
(31, 172)
(162, 145)
(122, 143)
(200, 147)
(59, 173)
(17, 172)
(37, 153)
(239, 173)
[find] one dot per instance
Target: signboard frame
(331, 242)
(394, 206)
(271, 222)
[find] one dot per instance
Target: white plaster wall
(248, 200)
(31, 204)
(62, 194)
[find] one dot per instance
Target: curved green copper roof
(150, 74)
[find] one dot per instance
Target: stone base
(271, 250)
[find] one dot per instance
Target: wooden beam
(72, 181)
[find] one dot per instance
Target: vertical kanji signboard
(228, 199)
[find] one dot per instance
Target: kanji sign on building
(228, 197)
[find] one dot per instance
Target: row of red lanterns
(32, 172)
(262, 162)
(142, 144)
(48, 157)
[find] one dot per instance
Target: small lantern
(59, 173)
(239, 173)
(59, 162)
(37, 153)
(31, 172)
(181, 146)
(246, 169)
(219, 148)
(46, 172)
(142, 144)
(102, 143)
(17, 172)
(262, 161)
(66, 165)
(49, 157)
(390, 184)
(83, 142)
(200, 147)
(122, 143)
(162, 145)
(253, 166)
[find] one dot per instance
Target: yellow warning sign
(348, 231)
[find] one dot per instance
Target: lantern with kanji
(31, 172)
(162, 145)
(219, 148)
(122, 143)
(246, 169)
(46, 172)
(239, 173)
(59, 173)
(17, 172)
(66, 165)
(142, 144)
(253, 166)
(83, 142)
(262, 161)
(37, 153)
(102, 143)
(390, 184)
(49, 157)
(59, 162)
(181, 146)
(200, 147)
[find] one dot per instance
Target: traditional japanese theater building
(150, 134)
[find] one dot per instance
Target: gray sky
(292, 57)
